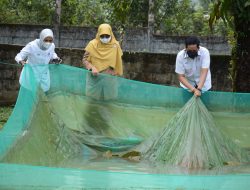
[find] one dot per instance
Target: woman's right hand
(22, 62)
(94, 71)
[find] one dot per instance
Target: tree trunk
(151, 21)
(57, 20)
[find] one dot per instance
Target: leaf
(247, 4)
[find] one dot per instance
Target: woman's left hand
(94, 71)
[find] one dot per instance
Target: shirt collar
(186, 55)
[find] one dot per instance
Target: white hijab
(44, 34)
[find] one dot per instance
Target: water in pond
(52, 136)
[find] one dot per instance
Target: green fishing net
(83, 118)
(192, 139)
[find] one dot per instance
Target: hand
(197, 92)
(57, 60)
(22, 62)
(110, 72)
(94, 71)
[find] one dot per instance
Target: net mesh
(83, 117)
(192, 139)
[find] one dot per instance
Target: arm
(55, 59)
(180, 70)
(23, 55)
(55, 56)
(203, 77)
(85, 61)
(88, 65)
(184, 81)
(204, 69)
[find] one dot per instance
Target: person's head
(192, 46)
(46, 38)
(105, 33)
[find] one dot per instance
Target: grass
(4, 115)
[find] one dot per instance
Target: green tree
(180, 22)
(206, 3)
(188, 18)
(83, 12)
(236, 13)
(162, 10)
(170, 17)
(28, 12)
(73, 12)
(129, 13)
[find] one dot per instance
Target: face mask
(47, 45)
(192, 54)
(105, 40)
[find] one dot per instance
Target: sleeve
(179, 68)
(89, 48)
(86, 56)
(119, 64)
(54, 55)
(206, 60)
(24, 53)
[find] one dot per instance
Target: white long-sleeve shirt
(38, 59)
(35, 55)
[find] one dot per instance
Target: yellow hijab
(103, 56)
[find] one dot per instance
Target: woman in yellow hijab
(104, 54)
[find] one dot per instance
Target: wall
(135, 40)
(9, 75)
(148, 67)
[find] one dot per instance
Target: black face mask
(192, 54)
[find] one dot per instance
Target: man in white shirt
(193, 67)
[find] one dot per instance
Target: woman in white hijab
(38, 54)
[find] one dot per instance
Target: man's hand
(197, 92)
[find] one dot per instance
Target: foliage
(206, 3)
(127, 12)
(4, 115)
(180, 22)
(28, 12)
(236, 14)
(83, 12)
(231, 11)
(190, 19)
(171, 17)
(162, 10)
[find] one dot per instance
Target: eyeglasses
(104, 36)
(48, 40)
